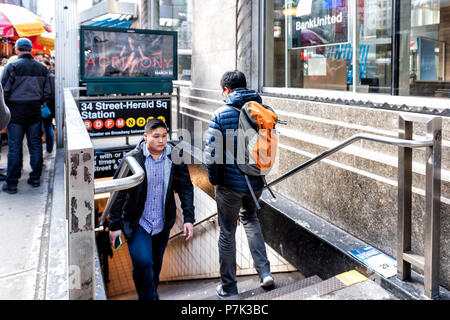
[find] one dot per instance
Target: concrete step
(205, 289)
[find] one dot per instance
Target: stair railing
(122, 182)
(430, 262)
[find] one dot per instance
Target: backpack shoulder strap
(252, 192)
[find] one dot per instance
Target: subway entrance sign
(106, 161)
(107, 116)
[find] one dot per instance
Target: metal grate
(259, 290)
(314, 290)
(283, 290)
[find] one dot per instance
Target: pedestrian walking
(5, 115)
(233, 197)
(26, 87)
(47, 123)
(146, 213)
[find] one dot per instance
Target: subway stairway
(311, 260)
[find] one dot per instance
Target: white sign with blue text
(376, 261)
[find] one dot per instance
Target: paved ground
(24, 231)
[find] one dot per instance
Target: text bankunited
(318, 22)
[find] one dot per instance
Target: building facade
(332, 69)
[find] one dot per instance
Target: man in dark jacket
(233, 197)
(146, 213)
(26, 87)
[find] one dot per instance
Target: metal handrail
(352, 139)
(180, 233)
(329, 152)
(118, 184)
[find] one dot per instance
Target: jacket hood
(240, 96)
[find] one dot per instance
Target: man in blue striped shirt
(146, 213)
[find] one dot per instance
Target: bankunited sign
(319, 22)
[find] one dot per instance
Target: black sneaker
(2, 177)
(10, 190)
(222, 294)
(34, 183)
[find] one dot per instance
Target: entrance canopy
(110, 13)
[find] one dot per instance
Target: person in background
(12, 59)
(47, 123)
(3, 65)
(26, 87)
(39, 56)
(5, 116)
(3, 130)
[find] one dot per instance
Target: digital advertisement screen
(129, 53)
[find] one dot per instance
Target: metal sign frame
(128, 85)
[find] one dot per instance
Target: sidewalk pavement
(24, 232)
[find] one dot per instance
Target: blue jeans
(47, 127)
(147, 252)
(16, 133)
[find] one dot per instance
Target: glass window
(375, 46)
(176, 15)
(309, 44)
(424, 61)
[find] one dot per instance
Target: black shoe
(34, 183)
(2, 177)
(8, 189)
(222, 294)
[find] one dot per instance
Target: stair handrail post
(430, 262)
(432, 223)
(404, 199)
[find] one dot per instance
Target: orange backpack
(257, 141)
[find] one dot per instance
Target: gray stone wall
(356, 189)
(213, 41)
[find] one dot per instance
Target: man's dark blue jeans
(147, 252)
(47, 127)
(16, 133)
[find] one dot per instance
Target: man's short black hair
(153, 124)
(233, 79)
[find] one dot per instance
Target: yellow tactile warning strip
(351, 277)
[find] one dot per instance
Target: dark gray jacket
(129, 205)
(26, 87)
